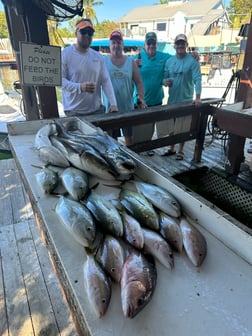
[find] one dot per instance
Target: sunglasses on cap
(84, 31)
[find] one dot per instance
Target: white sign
(40, 65)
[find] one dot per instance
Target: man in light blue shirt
(185, 73)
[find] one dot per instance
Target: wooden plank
(17, 307)
(3, 315)
(56, 294)
(36, 291)
(5, 203)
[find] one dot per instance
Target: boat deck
(31, 299)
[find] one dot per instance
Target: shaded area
(234, 196)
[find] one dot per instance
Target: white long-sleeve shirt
(80, 67)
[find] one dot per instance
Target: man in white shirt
(84, 74)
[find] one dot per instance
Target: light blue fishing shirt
(186, 75)
(122, 82)
(152, 71)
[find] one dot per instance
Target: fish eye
(89, 228)
(140, 302)
(113, 270)
(104, 300)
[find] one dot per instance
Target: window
(161, 26)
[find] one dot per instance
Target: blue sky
(113, 10)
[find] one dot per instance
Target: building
(197, 19)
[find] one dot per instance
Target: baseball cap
(151, 36)
(180, 37)
(116, 35)
(84, 24)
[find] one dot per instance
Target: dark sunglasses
(86, 31)
(182, 43)
(151, 43)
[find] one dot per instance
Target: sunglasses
(151, 43)
(182, 43)
(86, 31)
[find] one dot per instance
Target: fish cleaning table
(214, 299)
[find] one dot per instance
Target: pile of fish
(123, 236)
(97, 153)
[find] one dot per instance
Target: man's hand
(88, 87)
(113, 108)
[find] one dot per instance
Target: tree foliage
(89, 11)
(240, 12)
(3, 26)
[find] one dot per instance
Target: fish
(157, 246)
(107, 147)
(52, 156)
(106, 213)
(42, 135)
(47, 179)
(171, 231)
(140, 208)
(77, 219)
(138, 282)
(87, 160)
(111, 256)
(133, 233)
(46, 151)
(97, 286)
(76, 182)
(159, 197)
(194, 242)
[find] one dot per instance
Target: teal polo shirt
(152, 72)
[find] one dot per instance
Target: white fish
(194, 242)
(159, 197)
(97, 285)
(171, 231)
(158, 247)
(77, 219)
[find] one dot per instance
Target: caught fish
(77, 219)
(42, 135)
(85, 159)
(47, 179)
(158, 247)
(97, 285)
(139, 276)
(50, 155)
(107, 147)
(110, 256)
(76, 182)
(194, 242)
(105, 213)
(133, 233)
(140, 208)
(171, 231)
(160, 198)
(47, 152)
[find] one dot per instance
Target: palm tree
(89, 11)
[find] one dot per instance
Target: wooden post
(244, 94)
(27, 22)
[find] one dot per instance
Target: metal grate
(228, 196)
(222, 192)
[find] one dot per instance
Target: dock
(31, 298)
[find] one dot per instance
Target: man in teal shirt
(151, 66)
(184, 71)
